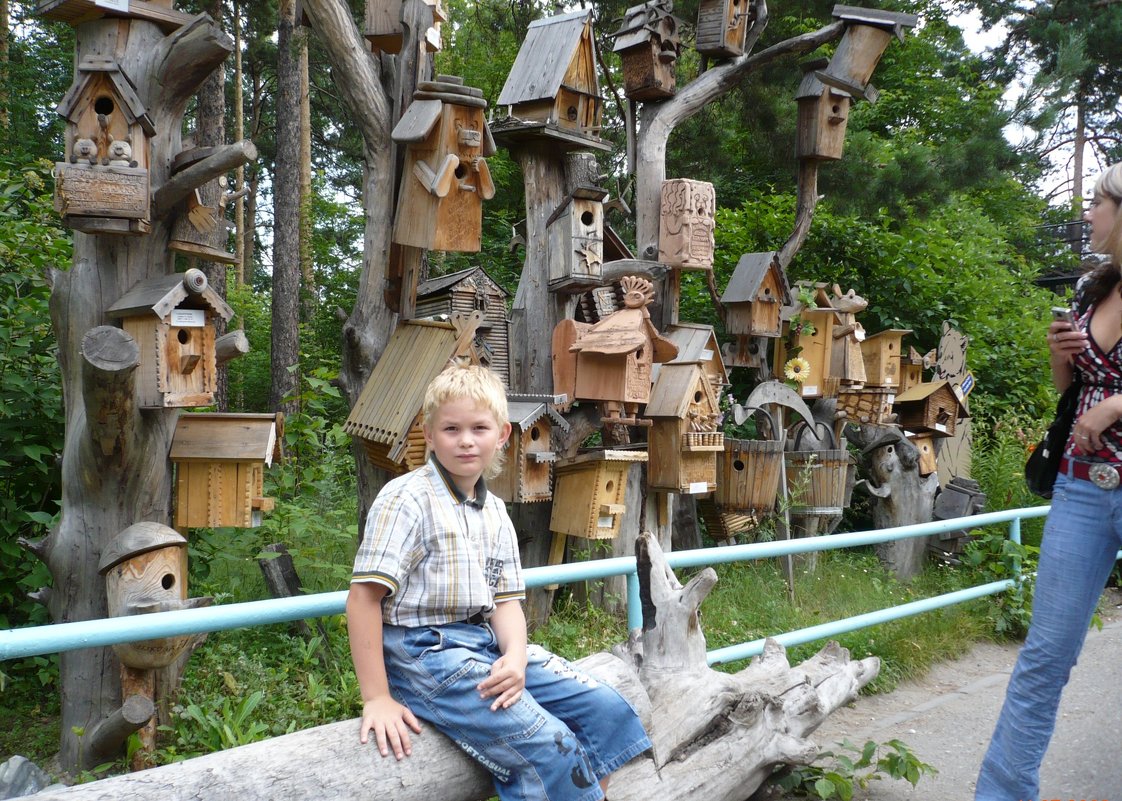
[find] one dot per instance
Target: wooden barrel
(816, 481)
(748, 475)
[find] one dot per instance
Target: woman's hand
(507, 680)
(1092, 423)
(1065, 341)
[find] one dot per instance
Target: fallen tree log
(716, 735)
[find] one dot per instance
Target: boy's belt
(477, 619)
(1104, 475)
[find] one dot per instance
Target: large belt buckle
(1103, 476)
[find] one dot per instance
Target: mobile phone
(1062, 314)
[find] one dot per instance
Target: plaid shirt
(444, 558)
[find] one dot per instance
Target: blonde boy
(436, 624)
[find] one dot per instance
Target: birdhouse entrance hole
(183, 336)
(587, 218)
(535, 434)
(738, 465)
(609, 486)
(168, 581)
(104, 105)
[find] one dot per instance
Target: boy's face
(465, 437)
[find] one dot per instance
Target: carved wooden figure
(575, 234)
(933, 407)
(867, 33)
(684, 439)
(847, 363)
(172, 319)
(613, 357)
(686, 222)
(722, 26)
(648, 45)
(881, 353)
(220, 462)
(823, 115)
(201, 229)
(446, 178)
(101, 186)
(529, 457)
(465, 292)
(812, 332)
(389, 422)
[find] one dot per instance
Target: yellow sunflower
(797, 369)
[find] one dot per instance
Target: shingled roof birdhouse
(575, 233)
(469, 291)
(698, 343)
(722, 27)
(172, 320)
(867, 33)
(610, 361)
(101, 186)
(220, 462)
(552, 90)
(387, 416)
(684, 438)
(881, 353)
(446, 178)
(588, 499)
(823, 115)
(933, 407)
(648, 45)
(686, 223)
(754, 296)
(529, 458)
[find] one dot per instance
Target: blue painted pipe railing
(31, 641)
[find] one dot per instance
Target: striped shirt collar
(480, 486)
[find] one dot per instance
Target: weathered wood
(183, 183)
(108, 736)
(110, 357)
(230, 346)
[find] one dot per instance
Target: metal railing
(36, 640)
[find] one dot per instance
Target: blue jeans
(1081, 538)
(555, 743)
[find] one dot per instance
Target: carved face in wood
(686, 223)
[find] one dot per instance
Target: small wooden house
(446, 178)
(469, 291)
(172, 320)
(754, 296)
(575, 235)
(928, 458)
(867, 33)
(930, 407)
(684, 438)
(220, 462)
(686, 223)
(911, 369)
(698, 343)
(881, 353)
(815, 341)
(387, 416)
(588, 496)
(748, 473)
(552, 89)
(722, 27)
(529, 457)
(101, 186)
(823, 115)
(723, 526)
(76, 12)
(384, 29)
(648, 45)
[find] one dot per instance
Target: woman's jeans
(565, 733)
(1081, 539)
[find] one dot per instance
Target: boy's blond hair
(485, 388)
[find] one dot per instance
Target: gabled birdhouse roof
(221, 437)
(525, 410)
(130, 103)
(674, 389)
(395, 392)
(160, 295)
(889, 333)
(435, 286)
(544, 59)
(696, 343)
(810, 86)
(581, 193)
(921, 392)
(750, 273)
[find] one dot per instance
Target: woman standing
(1083, 532)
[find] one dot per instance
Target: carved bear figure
(120, 154)
(84, 149)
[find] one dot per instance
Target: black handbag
(1044, 462)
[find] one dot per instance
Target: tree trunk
(239, 134)
(115, 470)
(716, 736)
(285, 339)
(5, 34)
(1080, 142)
(307, 272)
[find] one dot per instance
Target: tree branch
(189, 56)
(176, 189)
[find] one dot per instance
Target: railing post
(634, 605)
(1015, 530)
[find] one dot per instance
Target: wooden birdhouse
(220, 462)
(610, 361)
(529, 458)
(552, 90)
(145, 570)
(101, 186)
(172, 320)
(881, 353)
(469, 291)
(684, 438)
(588, 496)
(867, 33)
(648, 45)
(930, 407)
(754, 296)
(686, 223)
(575, 233)
(911, 369)
(385, 30)
(446, 178)
(201, 228)
(722, 26)
(811, 331)
(823, 115)
(928, 459)
(76, 12)
(748, 473)
(698, 343)
(387, 416)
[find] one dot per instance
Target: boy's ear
(505, 433)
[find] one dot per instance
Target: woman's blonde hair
(1109, 186)
(480, 385)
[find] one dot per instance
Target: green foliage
(837, 773)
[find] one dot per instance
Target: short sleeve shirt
(443, 558)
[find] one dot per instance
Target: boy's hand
(391, 723)
(507, 680)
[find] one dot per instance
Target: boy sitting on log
(436, 623)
